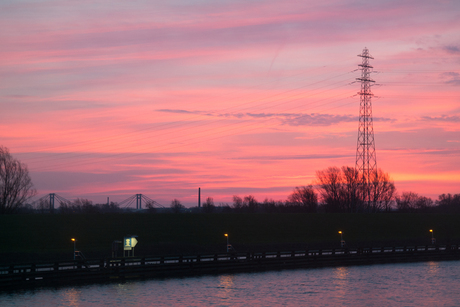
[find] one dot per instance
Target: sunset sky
(112, 98)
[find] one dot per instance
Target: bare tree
(424, 204)
(65, 207)
(383, 191)
(407, 202)
(341, 190)
(305, 198)
(208, 205)
(329, 182)
(271, 206)
(448, 203)
(150, 205)
(84, 205)
(43, 206)
(176, 206)
(412, 202)
(446, 200)
(15, 184)
(225, 208)
(250, 204)
(351, 190)
(237, 203)
(111, 207)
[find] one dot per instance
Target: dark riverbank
(13, 277)
(29, 238)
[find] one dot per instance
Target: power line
(230, 132)
(280, 102)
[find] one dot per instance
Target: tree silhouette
(448, 203)
(208, 205)
(15, 184)
(250, 204)
(329, 182)
(383, 191)
(351, 193)
(341, 190)
(407, 202)
(176, 206)
(304, 199)
(412, 202)
(237, 203)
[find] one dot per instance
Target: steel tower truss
(366, 162)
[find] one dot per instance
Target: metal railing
(101, 264)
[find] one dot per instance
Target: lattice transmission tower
(366, 162)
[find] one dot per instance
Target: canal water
(410, 284)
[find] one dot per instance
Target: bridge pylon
(139, 198)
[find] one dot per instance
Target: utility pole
(366, 162)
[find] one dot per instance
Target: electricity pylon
(366, 162)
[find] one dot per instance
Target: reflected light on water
(341, 282)
(225, 287)
(433, 267)
(407, 284)
(72, 297)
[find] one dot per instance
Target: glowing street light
(342, 242)
(74, 247)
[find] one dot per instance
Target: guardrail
(100, 270)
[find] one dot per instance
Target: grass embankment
(26, 238)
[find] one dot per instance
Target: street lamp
(433, 240)
(227, 240)
(74, 247)
(342, 242)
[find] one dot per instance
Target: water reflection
(412, 284)
(225, 287)
(433, 267)
(341, 281)
(72, 297)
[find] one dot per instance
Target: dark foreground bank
(46, 237)
(13, 277)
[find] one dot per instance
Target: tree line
(335, 190)
(302, 200)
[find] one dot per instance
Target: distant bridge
(48, 201)
(138, 198)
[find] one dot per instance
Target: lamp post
(74, 247)
(433, 240)
(227, 240)
(342, 242)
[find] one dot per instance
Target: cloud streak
(442, 118)
(291, 119)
